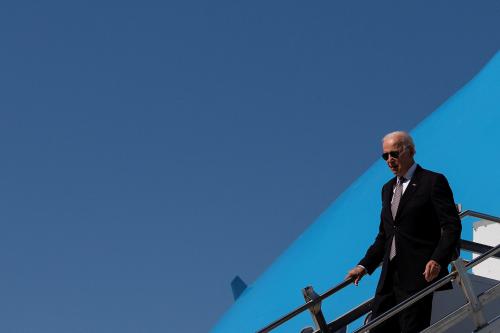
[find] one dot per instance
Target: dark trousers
(411, 320)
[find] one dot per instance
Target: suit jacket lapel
(410, 191)
(388, 198)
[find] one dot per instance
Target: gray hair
(402, 138)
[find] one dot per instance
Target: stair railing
(473, 307)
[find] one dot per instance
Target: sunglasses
(393, 154)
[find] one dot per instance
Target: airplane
(460, 139)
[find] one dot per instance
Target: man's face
(403, 162)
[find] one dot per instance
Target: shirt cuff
(366, 271)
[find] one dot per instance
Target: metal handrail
(475, 247)
(483, 257)
(479, 215)
(465, 310)
(361, 309)
(306, 306)
(472, 246)
(364, 308)
(426, 291)
(465, 245)
(350, 316)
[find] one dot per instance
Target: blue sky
(152, 150)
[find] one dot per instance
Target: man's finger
(358, 278)
(427, 272)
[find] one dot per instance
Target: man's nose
(390, 159)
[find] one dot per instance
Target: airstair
(472, 296)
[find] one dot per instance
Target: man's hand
(432, 270)
(357, 273)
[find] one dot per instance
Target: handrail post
(474, 303)
(316, 313)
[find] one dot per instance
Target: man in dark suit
(418, 236)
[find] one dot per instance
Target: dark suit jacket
(427, 226)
